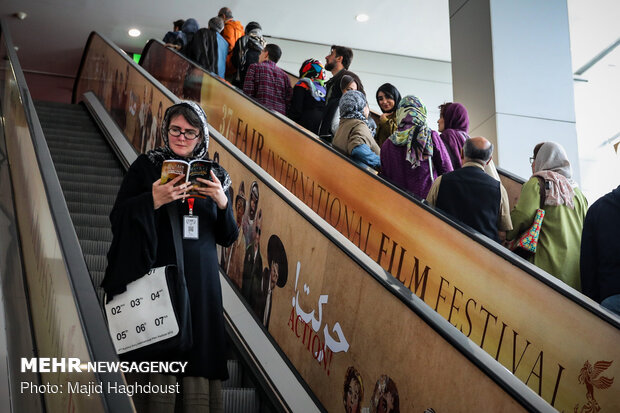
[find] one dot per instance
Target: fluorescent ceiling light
(134, 32)
(362, 17)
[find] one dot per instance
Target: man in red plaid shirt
(266, 83)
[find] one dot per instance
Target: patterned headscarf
(352, 105)
(553, 166)
(413, 131)
(312, 78)
(159, 155)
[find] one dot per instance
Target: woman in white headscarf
(143, 239)
(565, 209)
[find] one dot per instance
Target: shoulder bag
(153, 315)
(525, 245)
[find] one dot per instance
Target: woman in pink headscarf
(453, 125)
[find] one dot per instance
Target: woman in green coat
(565, 209)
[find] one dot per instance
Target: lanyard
(190, 203)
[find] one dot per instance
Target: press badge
(190, 222)
(190, 227)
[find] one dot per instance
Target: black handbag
(153, 316)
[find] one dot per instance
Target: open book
(198, 168)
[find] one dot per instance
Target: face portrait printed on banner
(353, 393)
(235, 253)
(248, 220)
(274, 275)
(146, 123)
(385, 396)
(132, 130)
(253, 263)
(159, 124)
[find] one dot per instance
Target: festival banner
(546, 339)
(357, 344)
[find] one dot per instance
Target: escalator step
(62, 158)
(82, 156)
(68, 126)
(90, 188)
(95, 247)
(89, 198)
(94, 209)
(240, 400)
(90, 146)
(87, 170)
(93, 233)
(79, 133)
(234, 374)
(94, 179)
(90, 220)
(96, 264)
(97, 277)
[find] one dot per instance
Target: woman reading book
(143, 240)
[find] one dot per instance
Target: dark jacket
(306, 110)
(472, 197)
(190, 27)
(203, 49)
(142, 239)
(600, 248)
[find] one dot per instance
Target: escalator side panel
(331, 319)
(489, 294)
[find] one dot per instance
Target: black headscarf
(391, 92)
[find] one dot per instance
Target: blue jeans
(612, 303)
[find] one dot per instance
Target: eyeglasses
(190, 134)
(531, 160)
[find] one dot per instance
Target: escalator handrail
(128, 59)
(507, 255)
(94, 328)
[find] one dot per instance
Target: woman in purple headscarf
(453, 124)
(414, 155)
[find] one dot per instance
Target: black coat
(204, 50)
(143, 240)
(600, 248)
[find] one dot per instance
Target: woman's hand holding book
(213, 188)
(163, 194)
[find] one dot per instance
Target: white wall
(430, 80)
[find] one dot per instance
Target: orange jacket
(233, 29)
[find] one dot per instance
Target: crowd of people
(453, 172)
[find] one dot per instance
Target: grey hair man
(471, 196)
